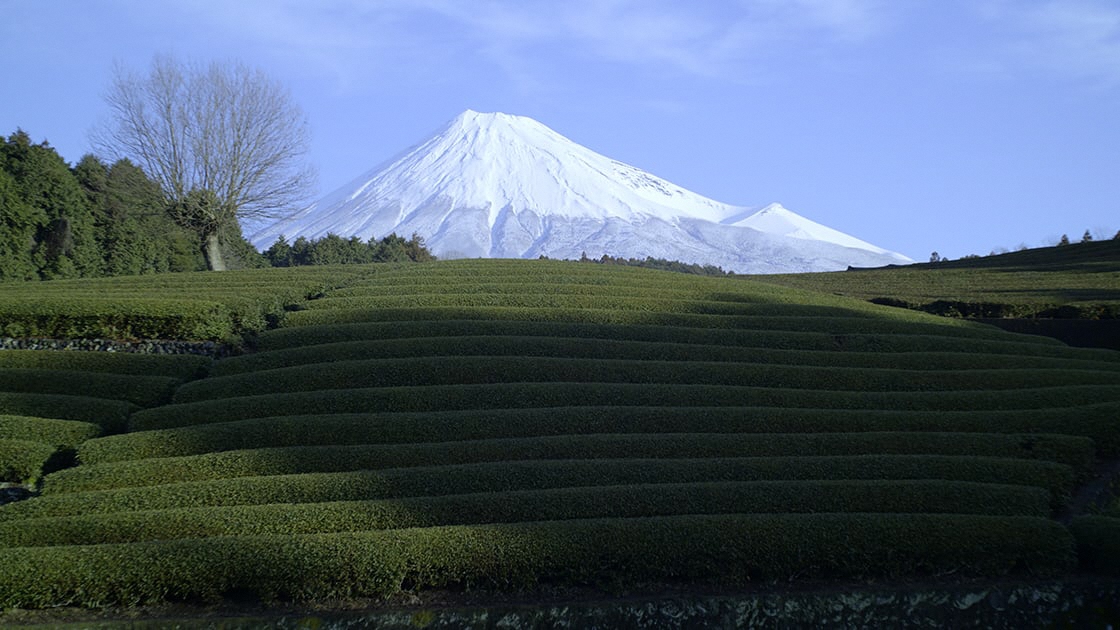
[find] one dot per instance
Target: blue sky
(960, 126)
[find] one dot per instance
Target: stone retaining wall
(145, 346)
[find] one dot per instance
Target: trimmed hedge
(341, 459)
(506, 476)
(21, 461)
(714, 548)
(569, 347)
(533, 395)
(462, 370)
(836, 325)
(70, 317)
(110, 415)
(630, 501)
(144, 391)
(184, 367)
(58, 433)
(948, 433)
(957, 433)
(297, 336)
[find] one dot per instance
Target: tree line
(101, 219)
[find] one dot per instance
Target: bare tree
(224, 141)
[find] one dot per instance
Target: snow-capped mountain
(504, 186)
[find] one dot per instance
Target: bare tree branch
(223, 140)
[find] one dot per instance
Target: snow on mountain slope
(774, 219)
(498, 185)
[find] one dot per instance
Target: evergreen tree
(18, 225)
(280, 253)
(1064, 240)
(63, 245)
(1088, 237)
(134, 233)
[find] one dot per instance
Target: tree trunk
(213, 252)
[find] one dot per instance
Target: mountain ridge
(504, 186)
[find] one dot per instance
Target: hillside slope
(526, 425)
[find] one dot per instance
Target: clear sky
(960, 126)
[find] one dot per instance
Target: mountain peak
(501, 185)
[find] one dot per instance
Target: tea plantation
(521, 425)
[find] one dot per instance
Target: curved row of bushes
(510, 475)
(769, 430)
(536, 395)
(295, 337)
(21, 461)
(589, 348)
(183, 367)
(144, 391)
(58, 433)
(468, 370)
(845, 324)
(111, 415)
(724, 549)
(332, 458)
(629, 501)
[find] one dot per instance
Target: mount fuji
(504, 186)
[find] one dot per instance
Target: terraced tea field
(517, 425)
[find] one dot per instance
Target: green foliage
(748, 341)
(333, 249)
(450, 370)
(511, 423)
(663, 264)
(534, 395)
(717, 548)
(451, 345)
(1098, 542)
(629, 501)
(110, 415)
(509, 476)
(134, 232)
(18, 225)
(115, 318)
(1077, 280)
(1056, 478)
(57, 433)
(178, 366)
(63, 242)
(21, 461)
(145, 391)
(775, 431)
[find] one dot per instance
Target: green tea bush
(110, 415)
(534, 395)
(21, 461)
(589, 427)
(184, 367)
(630, 501)
(617, 349)
(67, 317)
(507, 476)
(1098, 543)
(803, 432)
(836, 325)
(717, 548)
(57, 433)
(145, 391)
(309, 459)
(297, 336)
(453, 370)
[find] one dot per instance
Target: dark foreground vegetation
(521, 426)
